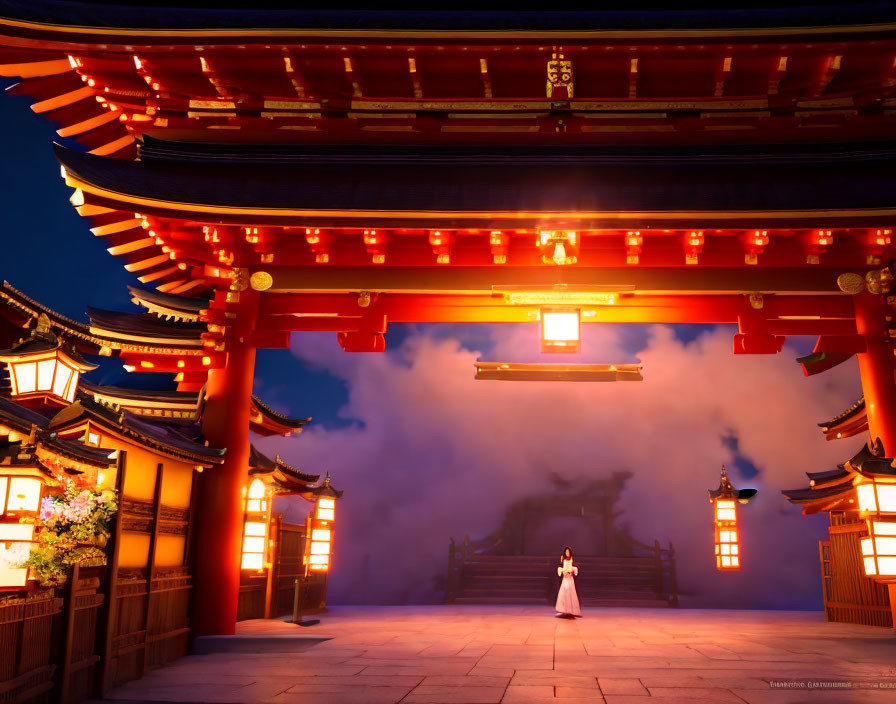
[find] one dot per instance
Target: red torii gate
(368, 219)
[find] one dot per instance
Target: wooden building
(111, 622)
(849, 595)
(331, 171)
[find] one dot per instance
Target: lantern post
(725, 529)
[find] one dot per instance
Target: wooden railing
(29, 630)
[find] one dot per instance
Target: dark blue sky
(50, 254)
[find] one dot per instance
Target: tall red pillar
(876, 365)
(219, 514)
(876, 369)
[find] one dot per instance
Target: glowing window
(255, 528)
(560, 330)
(251, 544)
(320, 548)
(725, 510)
(320, 534)
(252, 561)
(26, 377)
(256, 489)
(886, 497)
(24, 494)
(326, 514)
(61, 382)
(45, 369)
(16, 532)
(319, 560)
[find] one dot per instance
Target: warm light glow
(255, 527)
(252, 561)
(725, 510)
(879, 549)
(256, 489)
(727, 549)
(24, 494)
(560, 330)
(320, 548)
(16, 532)
(876, 495)
(49, 372)
(326, 514)
(321, 534)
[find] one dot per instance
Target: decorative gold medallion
(851, 283)
(261, 281)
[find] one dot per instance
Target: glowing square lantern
(21, 489)
(40, 366)
(876, 494)
(726, 534)
(255, 527)
(561, 330)
(319, 529)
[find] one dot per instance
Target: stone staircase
(532, 579)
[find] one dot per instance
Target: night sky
(423, 452)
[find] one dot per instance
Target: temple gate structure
(324, 171)
(514, 564)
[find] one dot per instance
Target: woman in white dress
(567, 600)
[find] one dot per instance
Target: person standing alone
(567, 599)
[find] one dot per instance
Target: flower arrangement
(75, 526)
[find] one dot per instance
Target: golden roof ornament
(559, 74)
(43, 324)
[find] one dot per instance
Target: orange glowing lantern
(255, 527)
(724, 501)
(39, 366)
(561, 330)
(876, 494)
(319, 529)
(21, 490)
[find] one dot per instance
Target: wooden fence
(271, 593)
(75, 644)
(850, 596)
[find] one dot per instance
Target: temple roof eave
(136, 428)
(95, 22)
(410, 192)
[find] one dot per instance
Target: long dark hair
(563, 556)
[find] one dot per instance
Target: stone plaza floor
(523, 654)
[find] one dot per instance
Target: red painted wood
(219, 515)
(876, 369)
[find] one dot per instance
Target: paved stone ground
(523, 655)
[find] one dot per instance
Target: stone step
(529, 569)
(501, 600)
(641, 603)
(615, 562)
